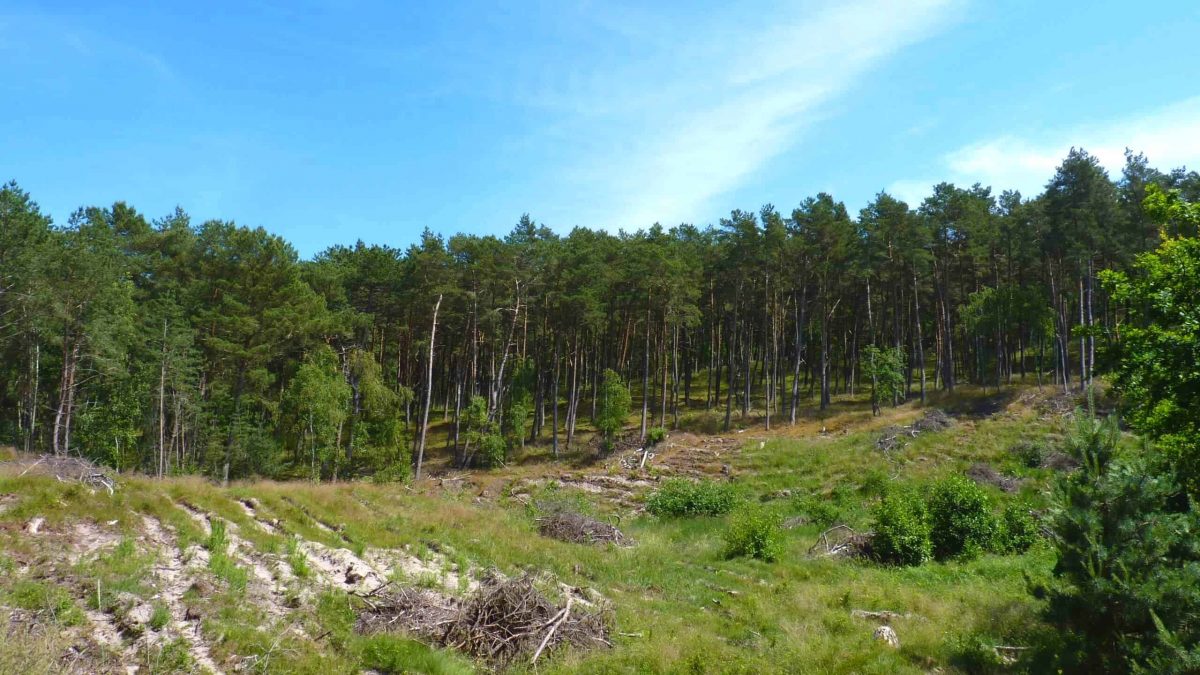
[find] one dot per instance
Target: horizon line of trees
(166, 347)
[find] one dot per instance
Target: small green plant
(655, 436)
(682, 497)
(902, 530)
(755, 532)
(160, 617)
(1017, 530)
(218, 557)
(297, 560)
(961, 521)
(37, 595)
(170, 657)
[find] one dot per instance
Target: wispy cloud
(1169, 136)
(707, 105)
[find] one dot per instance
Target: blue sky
(328, 122)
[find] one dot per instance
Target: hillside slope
(182, 576)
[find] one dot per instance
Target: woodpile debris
(896, 437)
(577, 528)
(67, 469)
(986, 474)
(505, 621)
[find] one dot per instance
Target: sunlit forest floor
(180, 575)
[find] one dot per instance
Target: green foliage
(612, 404)
(297, 559)
(961, 523)
(1016, 531)
(487, 446)
(160, 617)
(682, 497)
(124, 569)
(394, 654)
(317, 401)
(1029, 453)
(885, 368)
(1126, 593)
(519, 405)
(901, 526)
(169, 657)
(655, 435)
(755, 531)
(40, 595)
(821, 512)
(1157, 374)
(219, 560)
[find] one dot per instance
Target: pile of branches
(841, 541)
(68, 469)
(987, 474)
(580, 529)
(896, 437)
(415, 610)
(505, 621)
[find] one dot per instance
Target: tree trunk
(428, 388)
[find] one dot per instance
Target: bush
(682, 497)
(1017, 530)
(901, 530)
(655, 436)
(493, 450)
(755, 532)
(397, 472)
(961, 523)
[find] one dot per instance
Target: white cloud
(706, 106)
(1169, 136)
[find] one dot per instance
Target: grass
(681, 603)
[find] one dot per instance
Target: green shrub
(1017, 530)
(961, 523)
(682, 497)
(656, 435)
(396, 472)
(756, 532)
(901, 530)
(493, 450)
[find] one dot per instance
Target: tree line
(167, 347)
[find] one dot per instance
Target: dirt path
(174, 577)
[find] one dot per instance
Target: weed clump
(682, 497)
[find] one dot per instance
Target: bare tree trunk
(162, 385)
(428, 387)
(646, 374)
(554, 401)
(920, 335)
